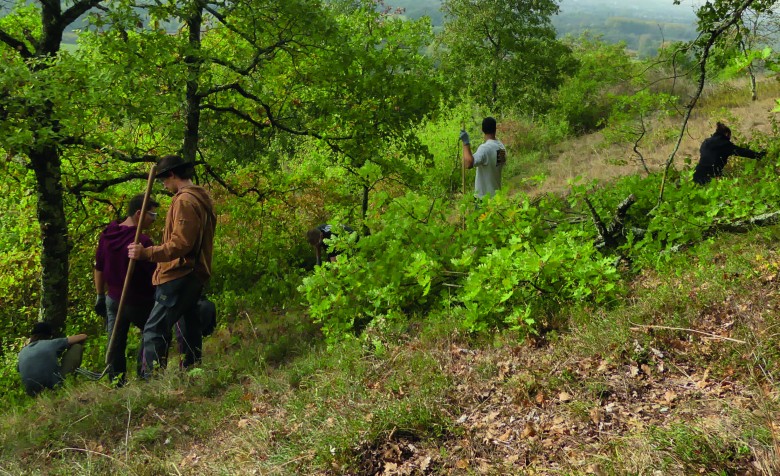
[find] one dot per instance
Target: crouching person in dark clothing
(45, 361)
(183, 265)
(715, 152)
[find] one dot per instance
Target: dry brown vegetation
(592, 158)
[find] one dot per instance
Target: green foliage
(514, 284)
(740, 63)
(503, 54)
(506, 267)
(628, 119)
(584, 100)
(386, 273)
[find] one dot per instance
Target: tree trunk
(364, 207)
(753, 90)
(193, 100)
(47, 165)
(54, 235)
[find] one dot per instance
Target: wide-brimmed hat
(170, 162)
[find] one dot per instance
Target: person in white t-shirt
(489, 159)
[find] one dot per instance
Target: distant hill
(642, 25)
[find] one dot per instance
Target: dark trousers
(175, 300)
(132, 314)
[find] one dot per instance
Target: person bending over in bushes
(317, 236)
(45, 361)
(715, 152)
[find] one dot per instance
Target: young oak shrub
(513, 283)
(390, 272)
(691, 213)
(504, 265)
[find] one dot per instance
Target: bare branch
(602, 230)
(79, 8)
(636, 144)
(16, 44)
(231, 110)
(268, 111)
(100, 185)
(713, 36)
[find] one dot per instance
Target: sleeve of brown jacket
(182, 231)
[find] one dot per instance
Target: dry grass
(591, 158)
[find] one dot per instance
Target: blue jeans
(174, 301)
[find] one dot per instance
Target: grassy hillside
(677, 377)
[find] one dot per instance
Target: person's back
(489, 159)
(39, 364)
(714, 155)
(45, 361)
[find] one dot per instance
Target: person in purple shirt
(111, 263)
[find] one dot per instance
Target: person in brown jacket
(183, 265)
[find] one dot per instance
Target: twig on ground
(127, 429)
(707, 334)
(251, 324)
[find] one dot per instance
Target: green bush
(500, 269)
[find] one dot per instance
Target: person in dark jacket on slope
(715, 152)
(111, 263)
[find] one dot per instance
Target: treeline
(642, 26)
(645, 37)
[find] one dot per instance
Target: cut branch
(609, 236)
(602, 230)
(710, 335)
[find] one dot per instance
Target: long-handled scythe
(130, 266)
(462, 165)
(130, 269)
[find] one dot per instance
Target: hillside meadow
(601, 314)
(674, 374)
